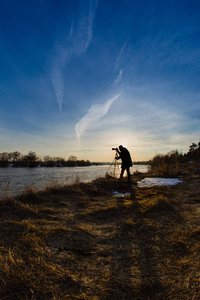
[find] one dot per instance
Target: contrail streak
(119, 78)
(79, 39)
(57, 72)
(95, 113)
(83, 29)
(121, 53)
(92, 10)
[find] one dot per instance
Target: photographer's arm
(118, 154)
(117, 150)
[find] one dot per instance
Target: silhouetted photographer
(125, 156)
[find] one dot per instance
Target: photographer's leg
(129, 175)
(122, 173)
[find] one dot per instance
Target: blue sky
(82, 76)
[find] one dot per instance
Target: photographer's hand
(118, 152)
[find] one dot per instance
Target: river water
(15, 180)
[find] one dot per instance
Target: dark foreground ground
(80, 242)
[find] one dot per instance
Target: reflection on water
(16, 180)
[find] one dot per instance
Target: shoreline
(17, 180)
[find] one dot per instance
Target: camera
(114, 149)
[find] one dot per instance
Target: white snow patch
(148, 182)
(120, 195)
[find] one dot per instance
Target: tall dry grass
(166, 165)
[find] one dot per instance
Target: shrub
(166, 165)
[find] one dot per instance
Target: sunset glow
(80, 77)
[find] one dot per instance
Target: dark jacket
(125, 157)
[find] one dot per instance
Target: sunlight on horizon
(94, 71)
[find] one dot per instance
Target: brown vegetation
(170, 164)
(80, 242)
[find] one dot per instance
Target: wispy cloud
(119, 57)
(118, 80)
(56, 71)
(81, 32)
(76, 44)
(95, 113)
(89, 32)
(71, 30)
(118, 64)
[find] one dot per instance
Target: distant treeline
(141, 162)
(31, 160)
(169, 164)
(160, 164)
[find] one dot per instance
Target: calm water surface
(16, 180)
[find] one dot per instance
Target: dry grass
(166, 165)
(79, 242)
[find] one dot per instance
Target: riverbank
(81, 242)
(15, 180)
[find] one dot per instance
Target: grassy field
(80, 242)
